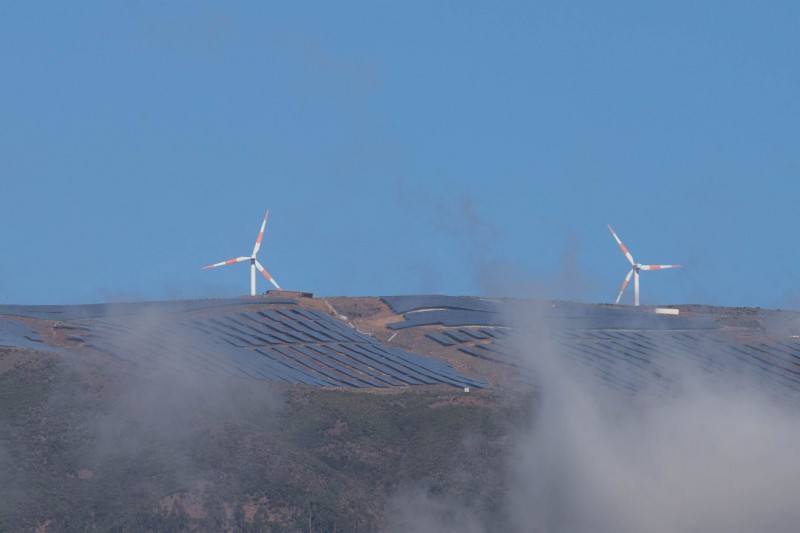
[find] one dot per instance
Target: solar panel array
(16, 334)
(276, 339)
(76, 312)
(286, 344)
(453, 311)
(627, 349)
(632, 360)
(404, 304)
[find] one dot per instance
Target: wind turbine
(254, 264)
(635, 268)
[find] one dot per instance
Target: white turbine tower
(635, 268)
(254, 264)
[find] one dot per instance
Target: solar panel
(370, 363)
(760, 360)
(324, 367)
(455, 317)
(289, 361)
(312, 330)
(16, 334)
(275, 344)
(474, 352)
(288, 313)
(336, 328)
(245, 324)
(475, 333)
(405, 304)
(303, 313)
(271, 315)
(76, 312)
(441, 339)
(792, 349)
(312, 326)
(253, 365)
(277, 333)
(340, 376)
(457, 336)
(780, 359)
(434, 368)
(369, 375)
(394, 369)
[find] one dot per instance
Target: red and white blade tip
(228, 262)
(658, 267)
(624, 250)
(266, 275)
(260, 235)
(624, 284)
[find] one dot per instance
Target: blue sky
(460, 147)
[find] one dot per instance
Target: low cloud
(693, 450)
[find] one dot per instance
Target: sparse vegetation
(85, 449)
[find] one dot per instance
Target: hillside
(289, 413)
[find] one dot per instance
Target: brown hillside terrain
(92, 437)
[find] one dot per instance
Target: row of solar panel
(78, 312)
(341, 361)
(449, 318)
(451, 337)
(291, 345)
(615, 370)
(633, 360)
(509, 306)
(778, 358)
(453, 311)
(621, 348)
(456, 318)
(16, 334)
(404, 304)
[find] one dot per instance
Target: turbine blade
(260, 235)
(624, 284)
(658, 267)
(624, 250)
(266, 275)
(228, 262)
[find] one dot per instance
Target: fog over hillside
(351, 413)
(693, 451)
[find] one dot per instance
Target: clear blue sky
(457, 147)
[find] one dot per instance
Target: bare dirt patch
(368, 315)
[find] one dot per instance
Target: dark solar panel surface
(626, 349)
(75, 312)
(404, 304)
(623, 348)
(631, 361)
(457, 335)
(441, 339)
(476, 333)
(451, 311)
(449, 317)
(17, 334)
(286, 344)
